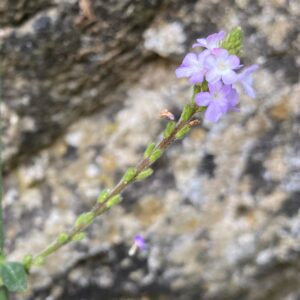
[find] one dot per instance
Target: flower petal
(234, 61)
(183, 72)
(213, 113)
(247, 71)
(203, 99)
(216, 86)
(229, 77)
(210, 61)
(190, 59)
(197, 78)
(213, 76)
(249, 90)
(220, 53)
(233, 98)
(200, 43)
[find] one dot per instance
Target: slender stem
(99, 208)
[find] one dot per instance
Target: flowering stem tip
(217, 66)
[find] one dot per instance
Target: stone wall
(83, 84)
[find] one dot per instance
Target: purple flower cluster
(219, 69)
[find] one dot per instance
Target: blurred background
(83, 83)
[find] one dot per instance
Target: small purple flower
(219, 100)
(192, 67)
(211, 42)
(138, 244)
(220, 65)
(139, 241)
(245, 78)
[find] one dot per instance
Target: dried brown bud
(165, 114)
(194, 123)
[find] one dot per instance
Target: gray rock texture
(83, 84)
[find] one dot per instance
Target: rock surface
(83, 86)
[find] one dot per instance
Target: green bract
(62, 237)
(169, 129)
(144, 174)
(85, 219)
(79, 236)
(114, 201)
(27, 260)
(149, 150)
(38, 261)
(103, 196)
(182, 132)
(233, 42)
(156, 154)
(129, 175)
(187, 112)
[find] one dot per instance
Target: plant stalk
(99, 208)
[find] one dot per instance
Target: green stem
(99, 208)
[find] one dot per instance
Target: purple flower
(220, 65)
(139, 241)
(219, 100)
(245, 78)
(211, 42)
(138, 244)
(192, 67)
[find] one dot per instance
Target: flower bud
(129, 175)
(85, 219)
(182, 132)
(103, 196)
(114, 201)
(144, 174)
(187, 112)
(38, 261)
(157, 153)
(149, 150)
(233, 42)
(62, 238)
(169, 129)
(78, 236)
(27, 261)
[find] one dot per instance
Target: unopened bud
(85, 219)
(149, 150)
(129, 175)
(157, 153)
(103, 196)
(233, 42)
(78, 236)
(182, 132)
(169, 129)
(114, 201)
(62, 238)
(144, 174)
